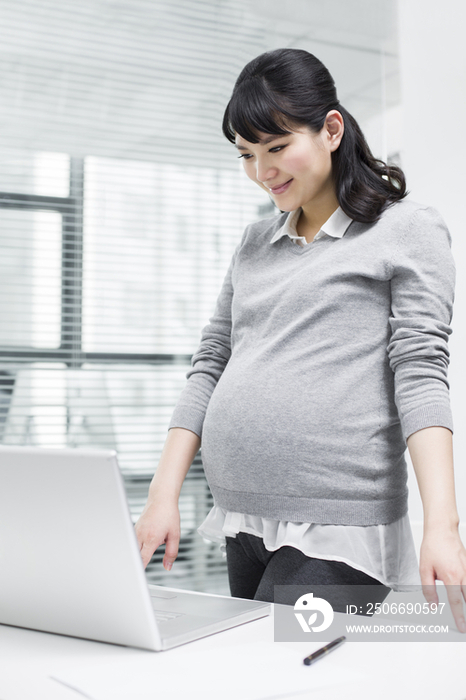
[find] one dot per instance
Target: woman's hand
(159, 524)
(160, 520)
(443, 557)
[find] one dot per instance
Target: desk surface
(244, 662)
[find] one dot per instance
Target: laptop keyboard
(164, 615)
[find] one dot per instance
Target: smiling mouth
(278, 189)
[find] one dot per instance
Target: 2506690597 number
(397, 609)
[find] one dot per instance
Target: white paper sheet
(22, 684)
(250, 672)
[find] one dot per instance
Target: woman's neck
(311, 221)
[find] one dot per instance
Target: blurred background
(121, 202)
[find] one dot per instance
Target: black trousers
(253, 572)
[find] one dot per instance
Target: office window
(121, 204)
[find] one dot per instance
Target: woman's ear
(334, 127)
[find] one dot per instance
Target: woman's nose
(265, 171)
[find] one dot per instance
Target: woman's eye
(246, 156)
(275, 149)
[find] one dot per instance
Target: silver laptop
(70, 562)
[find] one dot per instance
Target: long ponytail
(365, 185)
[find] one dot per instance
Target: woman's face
(295, 169)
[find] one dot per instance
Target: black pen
(324, 650)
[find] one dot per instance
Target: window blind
(120, 206)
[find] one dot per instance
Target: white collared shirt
(335, 226)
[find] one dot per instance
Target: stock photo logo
(308, 604)
(360, 614)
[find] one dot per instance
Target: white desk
(228, 664)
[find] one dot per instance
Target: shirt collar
(336, 226)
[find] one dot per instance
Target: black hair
(290, 87)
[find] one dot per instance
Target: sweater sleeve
(422, 292)
(207, 363)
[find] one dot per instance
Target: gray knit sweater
(317, 365)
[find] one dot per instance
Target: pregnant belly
(257, 434)
(267, 433)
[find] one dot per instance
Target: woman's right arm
(160, 520)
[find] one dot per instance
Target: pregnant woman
(326, 356)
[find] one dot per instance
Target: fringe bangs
(252, 110)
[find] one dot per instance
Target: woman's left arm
(443, 556)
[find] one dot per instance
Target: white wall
(433, 74)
